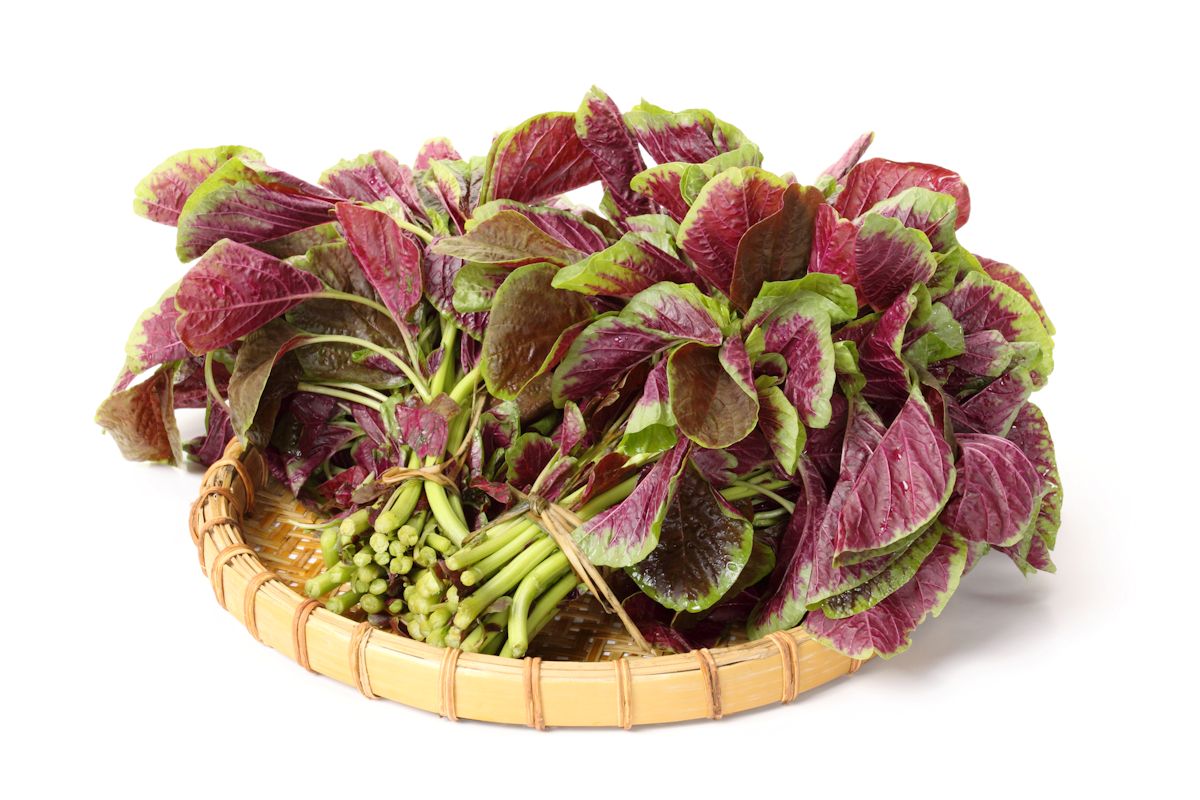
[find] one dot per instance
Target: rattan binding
(244, 528)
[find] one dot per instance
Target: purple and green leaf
(154, 340)
(626, 533)
(651, 425)
(540, 158)
(896, 574)
(703, 545)
(726, 208)
(833, 245)
(234, 290)
(161, 195)
(506, 237)
(784, 600)
(654, 319)
(604, 133)
(836, 171)
(662, 185)
(980, 303)
(890, 259)
(878, 179)
(247, 201)
(389, 256)
(904, 483)
(623, 269)
(777, 248)
(996, 494)
(932, 213)
(886, 629)
(780, 424)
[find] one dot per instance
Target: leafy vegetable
(770, 404)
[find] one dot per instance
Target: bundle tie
(558, 522)
(435, 474)
(240, 469)
(249, 611)
(444, 473)
(789, 656)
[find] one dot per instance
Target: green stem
(765, 492)
(403, 501)
(343, 602)
(210, 382)
(437, 384)
(531, 586)
(496, 538)
(451, 524)
(605, 500)
(329, 580)
(487, 565)
(409, 371)
(423, 235)
(466, 385)
(334, 294)
(477, 640)
(546, 608)
(317, 388)
(744, 490)
(357, 387)
(502, 582)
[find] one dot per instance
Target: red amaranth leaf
(389, 256)
(603, 131)
(141, 419)
(539, 158)
(878, 179)
(903, 485)
(996, 494)
(234, 290)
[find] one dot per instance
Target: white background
(1073, 129)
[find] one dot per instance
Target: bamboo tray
(582, 670)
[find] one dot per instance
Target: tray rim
(705, 683)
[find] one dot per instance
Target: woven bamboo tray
(582, 670)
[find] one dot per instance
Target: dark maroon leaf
(713, 402)
(776, 248)
(703, 547)
(218, 433)
(264, 372)
(528, 316)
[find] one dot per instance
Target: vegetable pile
(758, 403)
